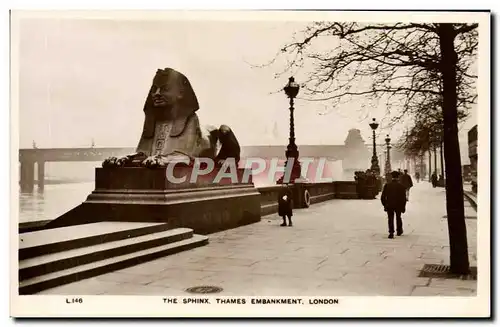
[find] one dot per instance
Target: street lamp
(292, 153)
(375, 167)
(388, 159)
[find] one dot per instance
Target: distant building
(357, 154)
(472, 142)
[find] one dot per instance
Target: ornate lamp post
(375, 167)
(388, 159)
(292, 153)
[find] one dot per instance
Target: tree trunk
(430, 165)
(442, 160)
(459, 257)
(435, 159)
(422, 170)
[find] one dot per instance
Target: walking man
(434, 179)
(394, 201)
(407, 183)
(285, 205)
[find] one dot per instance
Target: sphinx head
(170, 97)
(172, 94)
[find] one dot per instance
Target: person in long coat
(405, 179)
(394, 201)
(285, 205)
(434, 179)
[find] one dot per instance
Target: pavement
(335, 248)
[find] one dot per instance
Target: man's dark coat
(285, 206)
(394, 197)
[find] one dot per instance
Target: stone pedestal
(345, 190)
(206, 204)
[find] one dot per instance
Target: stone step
(52, 262)
(40, 283)
(31, 226)
(42, 242)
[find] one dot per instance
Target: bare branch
(399, 63)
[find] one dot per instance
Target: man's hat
(395, 174)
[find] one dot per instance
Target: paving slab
(335, 248)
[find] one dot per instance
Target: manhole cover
(204, 289)
(443, 271)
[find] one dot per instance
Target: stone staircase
(53, 257)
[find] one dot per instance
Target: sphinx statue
(172, 130)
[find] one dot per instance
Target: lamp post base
(375, 167)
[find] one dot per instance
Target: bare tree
(426, 131)
(405, 65)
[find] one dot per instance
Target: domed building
(357, 155)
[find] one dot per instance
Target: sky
(82, 80)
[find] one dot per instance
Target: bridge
(332, 152)
(39, 156)
(350, 156)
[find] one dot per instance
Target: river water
(53, 201)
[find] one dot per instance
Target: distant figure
(434, 179)
(440, 180)
(417, 176)
(405, 179)
(394, 201)
(285, 205)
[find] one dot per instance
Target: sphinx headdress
(185, 107)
